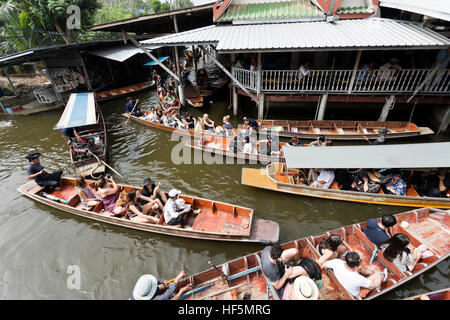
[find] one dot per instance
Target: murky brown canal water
(38, 243)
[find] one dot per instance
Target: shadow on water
(38, 243)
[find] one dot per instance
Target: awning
(419, 155)
(353, 34)
(119, 54)
(79, 111)
(439, 9)
(152, 63)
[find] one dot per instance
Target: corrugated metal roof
(372, 33)
(243, 10)
(355, 6)
(434, 8)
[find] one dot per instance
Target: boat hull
(124, 91)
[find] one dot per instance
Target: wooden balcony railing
(349, 81)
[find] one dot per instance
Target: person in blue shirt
(130, 105)
(378, 233)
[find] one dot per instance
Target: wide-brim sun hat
(174, 192)
(148, 181)
(145, 287)
(32, 155)
(374, 176)
(305, 289)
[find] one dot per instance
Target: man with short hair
(381, 138)
(172, 215)
(37, 172)
(132, 108)
(273, 264)
(352, 276)
(378, 233)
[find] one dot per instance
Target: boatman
(37, 172)
(381, 139)
(132, 105)
(149, 288)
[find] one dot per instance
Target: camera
(108, 177)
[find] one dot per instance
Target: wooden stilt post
(323, 105)
(5, 72)
(355, 70)
(259, 88)
(86, 76)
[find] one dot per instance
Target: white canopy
(419, 155)
(79, 111)
(119, 54)
(439, 9)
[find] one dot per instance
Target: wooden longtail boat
(282, 177)
(426, 226)
(443, 294)
(276, 177)
(216, 221)
(220, 145)
(193, 96)
(83, 114)
(342, 129)
(124, 91)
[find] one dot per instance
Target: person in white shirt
(153, 116)
(323, 180)
(172, 214)
(304, 70)
(352, 276)
(248, 147)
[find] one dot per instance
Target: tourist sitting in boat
(378, 233)
(273, 264)
(251, 125)
(361, 181)
(226, 129)
(321, 178)
(398, 251)
(381, 138)
(132, 108)
(152, 116)
(153, 191)
(319, 142)
(394, 184)
(248, 146)
(37, 172)
(331, 248)
(108, 191)
(295, 142)
(304, 288)
(172, 215)
(352, 276)
(87, 196)
(208, 124)
(199, 124)
(169, 99)
(149, 288)
(159, 113)
(432, 184)
(190, 121)
(136, 212)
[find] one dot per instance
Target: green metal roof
(285, 10)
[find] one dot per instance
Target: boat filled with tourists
(84, 130)
(336, 177)
(215, 221)
(243, 278)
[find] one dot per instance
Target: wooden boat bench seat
(36, 189)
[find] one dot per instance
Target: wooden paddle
(131, 113)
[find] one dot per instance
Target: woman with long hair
(108, 191)
(87, 195)
(396, 250)
(134, 209)
(331, 248)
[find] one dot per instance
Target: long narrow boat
(443, 294)
(282, 177)
(244, 278)
(83, 114)
(342, 129)
(192, 94)
(124, 91)
(221, 145)
(216, 221)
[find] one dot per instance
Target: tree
(53, 14)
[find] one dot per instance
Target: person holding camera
(108, 191)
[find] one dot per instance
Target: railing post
(355, 70)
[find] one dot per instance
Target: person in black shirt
(37, 172)
(381, 139)
(437, 183)
(153, 191)
(189, 120)
(132, 108)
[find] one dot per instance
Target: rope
(101, 161)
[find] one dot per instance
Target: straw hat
(374, 176)
(145, 287)
(305, 289)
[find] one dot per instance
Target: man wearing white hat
(172, 215)
(149, 288)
